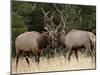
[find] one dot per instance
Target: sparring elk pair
(30, 43)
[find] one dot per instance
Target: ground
(57, 63)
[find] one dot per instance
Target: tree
(18, 27)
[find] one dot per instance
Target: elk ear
(59, 33)
(45, 33)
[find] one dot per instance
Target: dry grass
(57, 63)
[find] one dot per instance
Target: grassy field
(57, 63)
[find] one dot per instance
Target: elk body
(30, 43)
(74, 40)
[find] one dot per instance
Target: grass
(57, 63)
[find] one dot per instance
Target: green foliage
(18, 27)
(80, 17)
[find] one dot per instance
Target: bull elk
(74, 40)
(30, 43)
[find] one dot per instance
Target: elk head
(50, 25)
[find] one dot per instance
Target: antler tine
(46, 28)
(64, 23)
(45, 12)
(46, 18)
(58, 27)
(52, 24)
(57, 9)
(63, 19)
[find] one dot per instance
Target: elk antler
(45, 14)
(63, 19)
(47, 26)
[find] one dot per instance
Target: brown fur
(61, 39)
(30, 43)
(75, 39)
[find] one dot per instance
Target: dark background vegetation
(27, 16)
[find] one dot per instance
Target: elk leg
(17, 60)
(91, 55)
(89, 49)
(30, 54)
(38, 58)
(90, 52)
(27, 60)
(76, 54)
(35, 58)
(69, 55)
